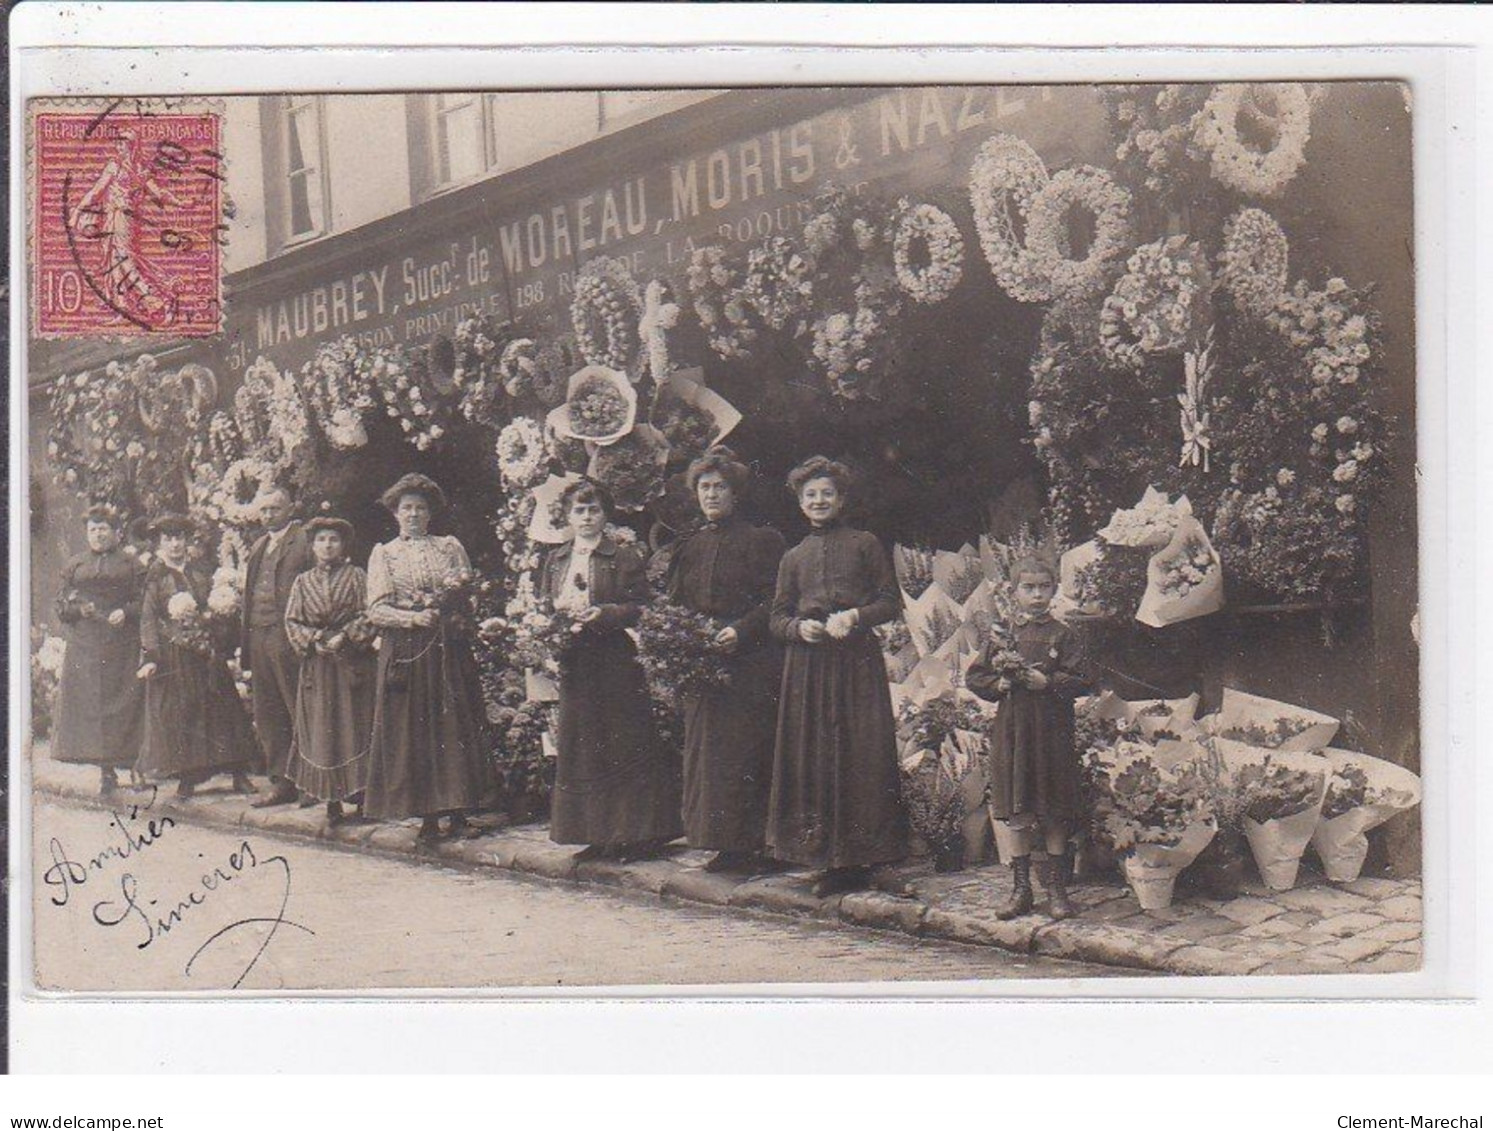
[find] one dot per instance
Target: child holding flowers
(1034, 671)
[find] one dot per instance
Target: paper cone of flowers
(600, 406)
(1153, 715)
(1070, 566)
(542, 528)
(1258, 721)
(1278, 842)
(633, 468)
(1149, 524)
(1151, 870)
(958, 574)
(1382, 790)
(1184, 579)
(708, 401)
(932, 618)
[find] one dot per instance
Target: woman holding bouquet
(426, 757)
(836, 799)
(616, 785)
(1034, 672)
(327, 624)
(727, 570)
(100, 704)
(195, 723)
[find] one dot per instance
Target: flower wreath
(399, 374)
(943, 251)
(1235, 164)
(1256, 261)
(851, 349)
(777, 284)
(233, 501)
(338, 391)
(1082, 187)
(522, 453)
(1005, 178)
(1153, 306)
(478, 373)
(605, 313)
(270, 415)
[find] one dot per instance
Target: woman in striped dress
(326, 621)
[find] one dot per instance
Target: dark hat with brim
(171, 524)
(414, 484)
(329, 522)
(105, 512)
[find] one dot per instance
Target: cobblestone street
(1372, 925)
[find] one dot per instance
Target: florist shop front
(1165, 333)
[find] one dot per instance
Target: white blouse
(401, 570)
(574, 595)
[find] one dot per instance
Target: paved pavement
(1372, 925)
(388, 923)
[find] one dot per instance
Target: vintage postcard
(494, 540)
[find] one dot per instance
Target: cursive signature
(136, 833)
(133, 907)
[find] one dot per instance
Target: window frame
(290, 106)
(436, 113)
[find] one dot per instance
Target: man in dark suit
(281, 554)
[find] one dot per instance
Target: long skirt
(729, 735)
(426, 754)
(195, 724)
(1033, 763)
(333, 725)
(100, 703)
(836, 786)
(615, 782)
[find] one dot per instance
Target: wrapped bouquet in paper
(1362, 793)
(1269, 723)
(943, 746)
(1150, 524)
(1151, 869)
(1281, 794)
(600, 406)
(632, 469)
(1156, 718)
(932, 618)
(691, 416)
(958, 574)
(548, 525)
(1153, 816)
(1070, 566)
(1184, 579)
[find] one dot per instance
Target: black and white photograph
(698, 537)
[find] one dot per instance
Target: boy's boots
(1050, 872)
(1020, 902)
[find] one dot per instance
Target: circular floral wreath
(337, 390)
(777, 283)
(1235, 164)
(605, 313)
(1153, 306)
(234, 500)
(723, 314)
(522, 453)
(1256, 261)
(943, 247)
(1081, 187)
(402, 381)
(1005, 178)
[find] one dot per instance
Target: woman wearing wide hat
(616, 785)
(195, 723)
(326, 620)
(426, 757)
(101, 705)
(727, 569)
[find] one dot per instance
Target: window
(528, 126)
(460, 137)
(305, 166)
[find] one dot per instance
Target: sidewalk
(1369, 926)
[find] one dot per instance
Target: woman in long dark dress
(426, 757)
(195, 723)
(836, 788)
(1034, 772)
(728, 570)
(326, 620)
(616, 785)
(100, 704)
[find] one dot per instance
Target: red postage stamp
(127, 200)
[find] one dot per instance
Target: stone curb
(527, 851)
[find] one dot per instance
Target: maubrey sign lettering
(520, 262)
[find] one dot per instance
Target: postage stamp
(127, 199)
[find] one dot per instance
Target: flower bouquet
(1156, 820)
(691, 416)
(1150, 524)
(541, 634)
(186, 623)
(548, 524)
(944, 747)
(600, 406)
(677, 649)
(1362, 793)
(914, 568)
(1281, 794)
(633, 468)
(1184, 580)
(1269, 723)
(47, 654)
